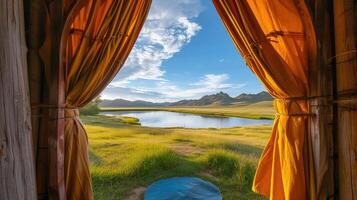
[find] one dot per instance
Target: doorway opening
(184, 104)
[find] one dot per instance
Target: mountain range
(218, 99)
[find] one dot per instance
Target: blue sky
(183, 52)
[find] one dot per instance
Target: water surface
(174, 119)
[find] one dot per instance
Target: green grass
(261, 110)
(229, 164)
(128, 120)
(125, 156)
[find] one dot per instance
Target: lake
(163, 119)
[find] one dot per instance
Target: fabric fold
(282, 161)
(99, 38)
(277, 40)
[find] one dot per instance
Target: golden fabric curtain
(277, 40)
(97, 41)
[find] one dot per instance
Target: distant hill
(214, 99)
(218, 99)
(253, 98)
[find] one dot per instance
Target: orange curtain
(96, 42)
(277, 40)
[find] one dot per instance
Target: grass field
(261, 110)
(126, 158)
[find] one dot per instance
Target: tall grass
(132, 160)
(238, 168)
(151, 159)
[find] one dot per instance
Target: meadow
(126, 157)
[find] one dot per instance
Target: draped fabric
(277, 40)
(98, 39)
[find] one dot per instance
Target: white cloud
(221, 60)
(168, 28)
(214, 81)
(166, 91)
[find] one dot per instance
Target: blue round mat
(183, 188)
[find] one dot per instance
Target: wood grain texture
(345, 17)
(50, 53)
(321, 86)
(17, 169)
(35, 18)
(321, 90)
(44, 22)
(44, 30)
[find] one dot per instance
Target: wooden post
(345, 17)
(321, 89)
(17, 169)
(35, 18)
(56, 101)
(44, 31)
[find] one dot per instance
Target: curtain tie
(71, 112)
(294, 106)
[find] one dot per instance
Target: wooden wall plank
(321, 87)
(17, 169)
(50, 53)
(345, 17)
(44, 30)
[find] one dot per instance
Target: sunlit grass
(125, 156)
(229, 164)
